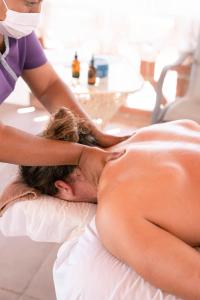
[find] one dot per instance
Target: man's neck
(2, 44)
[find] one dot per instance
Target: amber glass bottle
(92, 72)
(76, 67)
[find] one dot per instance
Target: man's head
(64, 182)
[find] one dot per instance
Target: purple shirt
(22, 54)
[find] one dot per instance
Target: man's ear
(65, 190)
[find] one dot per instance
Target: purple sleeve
(35, 56)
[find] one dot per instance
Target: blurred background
(135, 31)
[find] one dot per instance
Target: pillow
(45, 218)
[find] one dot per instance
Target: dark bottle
(92, 72)
(76, 67)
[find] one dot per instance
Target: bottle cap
(92, 60)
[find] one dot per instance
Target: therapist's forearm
(57, 95)
(18, 147)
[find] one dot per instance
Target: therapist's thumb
(114, 155)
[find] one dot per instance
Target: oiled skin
(149, 206)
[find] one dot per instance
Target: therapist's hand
(106, 140)
(93, 160)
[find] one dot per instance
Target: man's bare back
(149, 206)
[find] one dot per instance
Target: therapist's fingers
(106, 140)
(115, 155)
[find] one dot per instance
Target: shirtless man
(149, 208)
(148, 212)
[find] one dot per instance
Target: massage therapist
(22, 55)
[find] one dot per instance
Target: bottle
(92, 72)
(76, 67)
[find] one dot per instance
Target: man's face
(24, 6)
(78, 190)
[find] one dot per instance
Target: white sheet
(84, 270)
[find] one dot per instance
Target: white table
(102, 100)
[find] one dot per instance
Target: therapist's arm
(51, 90)
(53, 93)
(19, 147)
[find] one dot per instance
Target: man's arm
(53, 93)
(161, 258)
